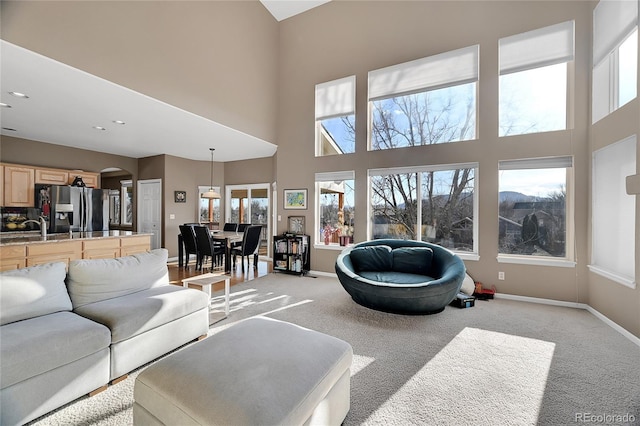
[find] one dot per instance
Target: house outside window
(335, 117)
(423, 102)
(534, 218)
(533, 80)
(615, 56)
(436, 204)
(614, 212)
(335, 196)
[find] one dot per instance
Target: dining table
(228, 238)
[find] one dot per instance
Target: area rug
(500, 362)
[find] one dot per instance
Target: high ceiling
(283, 9)
(67, 106)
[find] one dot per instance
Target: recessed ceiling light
(118, 121)
(9, 129)
(19, 95)
(99, 128)
(3, 105)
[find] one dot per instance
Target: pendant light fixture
(211, 193)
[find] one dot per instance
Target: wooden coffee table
(205, 281)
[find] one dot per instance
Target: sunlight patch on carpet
(360, 362)
(480, 377)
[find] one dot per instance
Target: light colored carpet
(501, 362)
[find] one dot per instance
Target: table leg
(207, 289)
(227, 256)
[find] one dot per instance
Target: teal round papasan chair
(401, 276)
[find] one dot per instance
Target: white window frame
(619, 161)
(465, 255)
(542, 47)
(568, 261)
(333, 99)
(606, 82)
(448, 69)
(614, 22)
(202, 189)
(325, 177)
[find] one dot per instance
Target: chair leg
(255, 260)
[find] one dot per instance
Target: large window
(432, 203)
(336, 208)
(534, 208)
(427, 101)
(209, 209)
(335, 117)
(533, 80)
(615, 56)
(614, 212)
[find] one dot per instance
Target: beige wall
(619, 303)
(217, 59)
(368, 35)
(260, 76)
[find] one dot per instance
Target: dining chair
(207, 247)
(189, 242)
(233, 227)
(250, 244)
(241, 228)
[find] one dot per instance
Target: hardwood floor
(177, 274)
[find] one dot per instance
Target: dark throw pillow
(412, 260)
(371, 258)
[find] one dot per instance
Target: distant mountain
(515, 197)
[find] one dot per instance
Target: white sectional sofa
(60, 341)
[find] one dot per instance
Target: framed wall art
(180, 196)
(295, 199)
(296, 224)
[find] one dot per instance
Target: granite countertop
(29, 237)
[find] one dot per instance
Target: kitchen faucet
(42, 223)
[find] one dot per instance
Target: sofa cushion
(33, 291)
(392, 277)
(34, 346)
(133, 314)
(371, 258)
(94, 280)
(412, 260)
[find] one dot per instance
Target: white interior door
(150, 210)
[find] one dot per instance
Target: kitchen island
(21, 249)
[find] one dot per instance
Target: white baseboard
(576, 305)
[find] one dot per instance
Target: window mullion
(614, 86)
(419, 207)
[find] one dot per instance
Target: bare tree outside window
(441, 201)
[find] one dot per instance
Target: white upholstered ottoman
(259, 371)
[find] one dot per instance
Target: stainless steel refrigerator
(74, 208)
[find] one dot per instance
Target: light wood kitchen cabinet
(133, 245)
(52, 176)
(92, 180)
(13, 257)
(61, 251)
(108, 248)
(19, 186)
